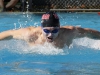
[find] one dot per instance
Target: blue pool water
(82, 58)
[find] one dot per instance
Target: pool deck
(43, 12)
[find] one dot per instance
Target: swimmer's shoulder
(32, 28)
(67, 27)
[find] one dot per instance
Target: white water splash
(89, 43)
(21, 47)
(48, 49)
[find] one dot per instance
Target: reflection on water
(46, 68)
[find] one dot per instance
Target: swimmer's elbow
(93, 34)
(94, 37)
(85, 32)
(6, 35)
(6, 38)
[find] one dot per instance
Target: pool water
(17, 58)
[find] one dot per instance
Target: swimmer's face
(50, 33)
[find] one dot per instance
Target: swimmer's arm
(6, 35)
(14, 34)
(90, 33)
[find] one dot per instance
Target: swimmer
(50, 31)
(10, 4)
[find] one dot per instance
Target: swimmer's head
(50, 26)
(50, 19)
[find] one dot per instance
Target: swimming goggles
(48, 31)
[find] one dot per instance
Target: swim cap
(50, 19)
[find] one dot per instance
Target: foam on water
(89, 43)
